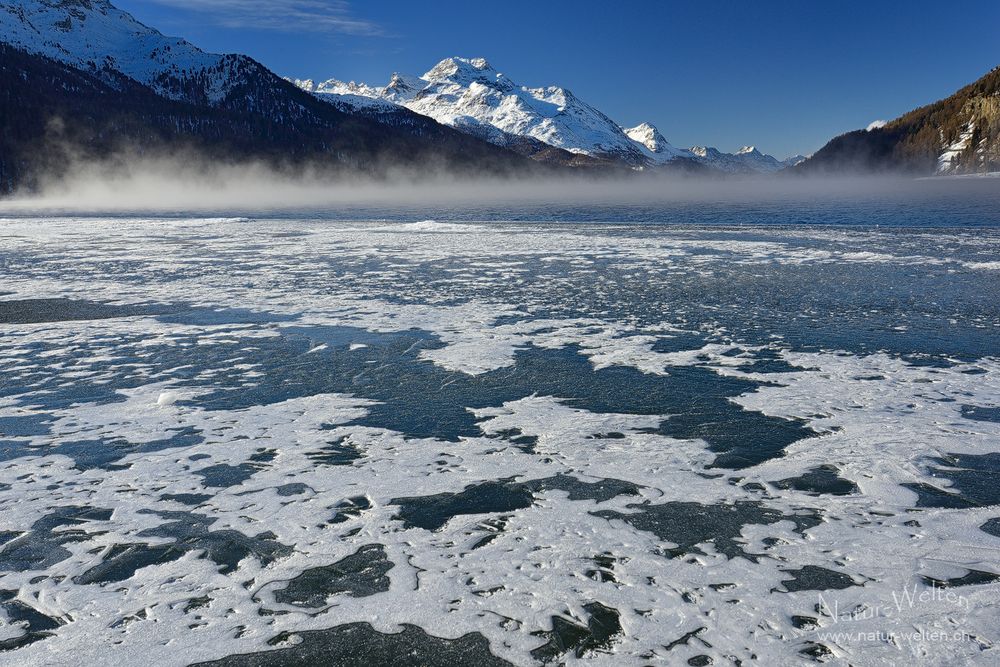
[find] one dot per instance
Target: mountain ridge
(473, 96)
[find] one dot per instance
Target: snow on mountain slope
(744, 161)
(659, 149)
(93, 35)
(952, 152)
(348, 97)
(470, 95)
(462, 92)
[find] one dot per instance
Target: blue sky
(784, 75)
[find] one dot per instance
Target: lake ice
(256, 440)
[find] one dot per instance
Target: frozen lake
(256, 440)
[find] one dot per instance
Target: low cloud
(333, 16)
(875, 124)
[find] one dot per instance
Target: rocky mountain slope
(957, 135)
(470, 95)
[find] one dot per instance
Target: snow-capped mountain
(657, 148)
(470, 95)
(348, 96)
(94, 35)
(746, 160)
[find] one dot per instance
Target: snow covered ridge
(469, 94)
(96, 36)
(746, 159)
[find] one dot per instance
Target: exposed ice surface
(258, 441)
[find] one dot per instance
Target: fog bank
(179, 184)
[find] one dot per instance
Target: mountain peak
(648, 136)
(95, 35)
(705, 151)
(746, 160)
(404, 83)
(462, 71)
(480, 64)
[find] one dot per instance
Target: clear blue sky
(785, 75)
